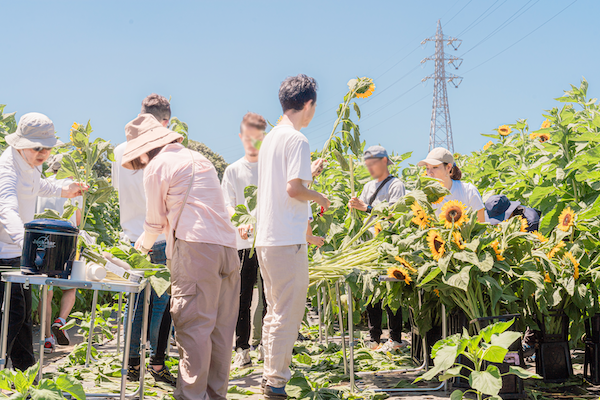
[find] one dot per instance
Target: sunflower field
(547, 277)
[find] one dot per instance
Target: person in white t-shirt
(238, 176)
(54, 333)
(132, 203)
(440, 165)
(284, 173)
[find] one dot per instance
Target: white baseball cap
(438, 156)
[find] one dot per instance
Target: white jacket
(20, 185)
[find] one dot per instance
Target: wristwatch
(144, 250)
(369, 209)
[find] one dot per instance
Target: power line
(478, 20)
(459, 11)
(401, 111)
(523, 38)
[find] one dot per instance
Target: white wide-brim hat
(34, 130)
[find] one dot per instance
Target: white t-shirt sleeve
(396, 191)
(114, 172)
(297, 155)
(228, 189)
(475, 200)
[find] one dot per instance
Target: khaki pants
(284, 271)
(205, 295)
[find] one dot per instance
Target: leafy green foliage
(21, 385)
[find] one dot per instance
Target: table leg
(341, 319)
(128, 323)
(44, 293)
(91, 331)
(144, 339)
(119, 317)
(5, 318)
(325, 317)
(350, 336)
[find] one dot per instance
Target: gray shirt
(391, 192)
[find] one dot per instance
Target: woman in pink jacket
(185, 201)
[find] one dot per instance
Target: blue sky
(80, 60)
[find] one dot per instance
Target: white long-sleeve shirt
(20, 185)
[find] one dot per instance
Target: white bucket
(79, 271)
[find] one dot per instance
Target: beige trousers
(284, 271)
(205, 291)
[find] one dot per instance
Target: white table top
(107, 285)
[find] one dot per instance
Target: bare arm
(296, 190)
(481, 215)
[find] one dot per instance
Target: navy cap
(533, 219)
(498, 208)
(377, 152)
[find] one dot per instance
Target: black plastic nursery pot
(512, 385)
(49, 247)
(416, 349)
(591, 364)
(553, 357)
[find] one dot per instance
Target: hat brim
(507, 213)
(389, 162)
(429, 161)
(20, 143)
(146, 142)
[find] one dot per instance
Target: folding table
(129, 288)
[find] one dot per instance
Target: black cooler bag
(49, 247)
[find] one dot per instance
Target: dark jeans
(20, 326)
(158, 358)
(375, 314)
(249, 274)
(158, 306)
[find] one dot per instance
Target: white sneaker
(391, 346)
(372, 345)
(242, 359)
(261, 352)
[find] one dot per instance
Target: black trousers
(163, 339)
(375, 314)
(249, 275)
(20, 326)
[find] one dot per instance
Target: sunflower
(487, 145)
(453, 212)
(405, 264)
(540, 237)
(504, 130)
(437, 292)
(436, 244)
(365, 91)
(547, 278)
(524, 224)
(543, 137)
(438, 201)
(279, 120)
(420, 217)
(458, 240)
(377, 228)
(75, 126)
(400, 274)
(556, 249)
(498, 251)
(546, 124)
(565, 220)
(569, 256)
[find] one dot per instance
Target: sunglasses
(39, 149)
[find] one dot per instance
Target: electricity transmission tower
(440, 134)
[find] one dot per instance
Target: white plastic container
(79, 271)
(95, 272)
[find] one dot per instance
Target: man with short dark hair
(238, 176)
(284, 173)
(383, 187)
(132, 202)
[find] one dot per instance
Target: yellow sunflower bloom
(546, 124)
(495, 246)
(75, 126)
(377, 228)
(487, 145)
(547, 278)
(405, 264)
(504, 130)
(540, 237)
(543, 137)
(436, 244)
(437, 292)
(569, 256)
(556, 249)
(420, 218)
(524, 224)
(367, 93)
(400, 274)
(458, 240)
(279, 119)
(565, 220)
(453, 212)
(438, 201)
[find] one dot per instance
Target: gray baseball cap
(377, 152)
